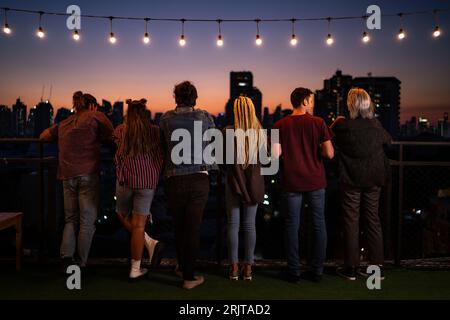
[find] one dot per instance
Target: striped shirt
(140, 172)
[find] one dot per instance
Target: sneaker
(155, 259)
(363, 272)
(348, 273)
(247, 272)
(137, 274)
(234, 272)
(191, 284)
(311, 276)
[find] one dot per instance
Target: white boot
(150, 244)
(136, 270)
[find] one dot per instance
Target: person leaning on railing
(305, 141)
(363, 168)
(187, 185)
(139, 160)
(79, 140)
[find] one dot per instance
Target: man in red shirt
(305, 140)
(79, 140)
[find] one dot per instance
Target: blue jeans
(248, 227)
(80, 207)
(293, 205)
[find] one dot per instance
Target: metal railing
(47, 219)
(401, 164)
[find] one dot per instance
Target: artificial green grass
(112, 283)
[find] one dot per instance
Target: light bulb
(436, 32)
(40, 33)
(112, 38)
(366, 37)
(401, 34)
(182, 41)
(330, 39)
(258, 40)
(219, 41)
(6, 29)
(294, 40)
(146, 38)
(76, 35)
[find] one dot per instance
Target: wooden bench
(14, 219)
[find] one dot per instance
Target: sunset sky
(130, 69)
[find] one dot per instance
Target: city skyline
(129, 69)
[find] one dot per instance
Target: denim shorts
(131, 200)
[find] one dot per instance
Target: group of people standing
(144, 152)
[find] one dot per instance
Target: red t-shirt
(302, 167)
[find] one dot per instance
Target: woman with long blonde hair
(244, 185)
(139, 162)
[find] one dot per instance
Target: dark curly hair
(185, 94)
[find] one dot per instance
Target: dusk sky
(131, 69)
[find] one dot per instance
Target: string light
(365, 37)
(401, 33)
(294, 40)
(112, 37)
(6, 28)
(76, 35)
(330, 39)
(40, 32)
(182, 41)
(219, 37)
(146, 38)
(258, 39)
(437, 30)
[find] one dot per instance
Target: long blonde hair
(137, 130)
(250, 138)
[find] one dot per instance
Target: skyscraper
(241, 83)
(385, 94)
(62, 114)
(331, 101)
(42, 117)
(5, 121)
(19, 118)
(117, 113)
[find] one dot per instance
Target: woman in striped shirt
(139, 160)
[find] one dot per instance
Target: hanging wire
(41, 13)
(293, 26)
(182, 27)
(219, 21)
(423, 12)
(6, 15)
(146, 25)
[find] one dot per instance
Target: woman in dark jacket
(244, 185)
(363, 170)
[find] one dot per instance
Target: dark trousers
(364, 202)
(187, 196)
(292, 203)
